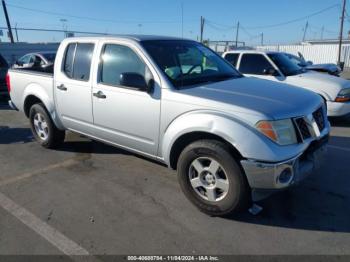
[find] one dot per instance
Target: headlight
(282, 131)
(343, 96)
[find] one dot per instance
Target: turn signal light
(267, 129)
(342, 99)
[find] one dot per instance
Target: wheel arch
(191, 137)
(34, 95)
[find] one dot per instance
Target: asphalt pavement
(90, 198)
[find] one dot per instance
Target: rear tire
(211, 178)
(43, 128)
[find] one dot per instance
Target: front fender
(250, 143)
(42, 94)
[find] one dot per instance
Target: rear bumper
(338, 109)
(276, 176)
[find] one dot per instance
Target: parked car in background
(178, 102)
(38, 61)
(276, 66)
(3, 71)
(329, 68)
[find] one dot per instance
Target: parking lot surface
(90, 198)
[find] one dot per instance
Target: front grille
(303, 128)
(306, 127)
(319, 119)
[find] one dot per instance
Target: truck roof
(252, 52)
(137, 38)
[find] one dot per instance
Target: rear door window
(232, 58)
(254, 64)
(82, 61)
(77, 62)
(68, 61)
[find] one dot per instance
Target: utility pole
(262, 38)
(202, 29)
(306, 27)
(237, 34)
(7, 21)
(341, 31)
(322, 31)
(16, 33)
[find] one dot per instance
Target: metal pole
(16, 32)
(202, 29)
(237, 32)
(262, 38)
(7, 21)
(341, 31)
(306, 27)
(322, 31)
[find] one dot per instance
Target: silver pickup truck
(229, 137)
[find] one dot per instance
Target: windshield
(287, 67)
(50, 57)
(187, 63)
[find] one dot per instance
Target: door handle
(62, 87)
(100, 94)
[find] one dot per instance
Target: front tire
(211, 179)
(43, 128)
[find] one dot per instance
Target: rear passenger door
(73, 86)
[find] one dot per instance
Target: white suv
(276, 66)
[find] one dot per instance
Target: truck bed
(28, 81)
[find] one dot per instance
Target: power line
(55, 30)
(287, 22)
(91, 18)
(297, 19)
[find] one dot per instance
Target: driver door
(125, 116)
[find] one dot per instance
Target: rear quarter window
(232, 59)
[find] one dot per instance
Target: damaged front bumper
(275, 176)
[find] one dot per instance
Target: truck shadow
(90, 147)
(4, 103)
(340, 122)
(15, 135)
(320, 203)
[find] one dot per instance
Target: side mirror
(18, 63)
(309, 63)
(137, 81)
(270, 71)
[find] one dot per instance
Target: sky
(179, 18)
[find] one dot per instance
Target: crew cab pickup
(277, 66)
(228, 136)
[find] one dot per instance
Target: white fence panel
(315, 53)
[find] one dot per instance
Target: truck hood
(327, 67)
(326, 85)
(252, 96)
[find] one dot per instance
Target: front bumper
(338, 109)
(275, 176)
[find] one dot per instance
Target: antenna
(182, 19)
